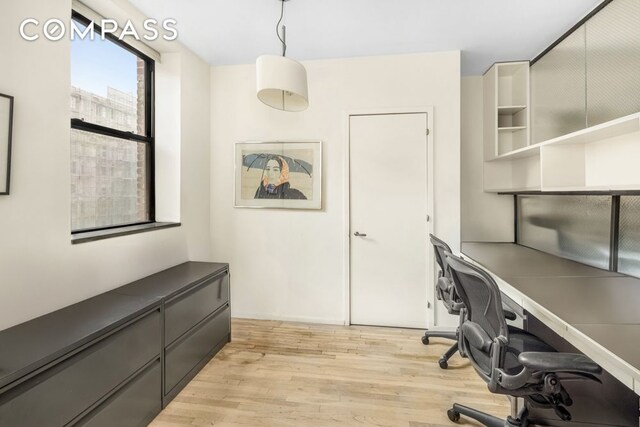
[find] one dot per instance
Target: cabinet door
(193, 347)
(59, 394)
(186, 310)
(558, 89)
(613, 62)
(134, 405)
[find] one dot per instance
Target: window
(111, 133)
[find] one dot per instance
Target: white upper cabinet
(613, 62)
(585, 111)
(558, 89)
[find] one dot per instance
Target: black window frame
(149, 118)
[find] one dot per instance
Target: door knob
(359, 234)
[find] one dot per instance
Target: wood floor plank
(294, 374)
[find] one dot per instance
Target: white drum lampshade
(282, 83)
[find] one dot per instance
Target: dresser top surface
(37, 342)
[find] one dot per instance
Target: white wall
(195, 163)
(485, 217)
(40, 270)
(288, 264)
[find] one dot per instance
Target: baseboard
(301, 319)
(443, 328)
(320, 320)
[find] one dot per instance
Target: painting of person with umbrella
(274, 183)
(278, 175)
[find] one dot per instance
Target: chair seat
(521, 341)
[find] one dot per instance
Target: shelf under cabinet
(512, 129)
(588, 188)
(513, 190)
(508, 110)
(597, 159)
(530, 151)
(610, 129)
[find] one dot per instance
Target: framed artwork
(6, 125)
(278, 175)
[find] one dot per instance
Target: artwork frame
(278, 174)
(6, 135)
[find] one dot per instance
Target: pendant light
(281, 81)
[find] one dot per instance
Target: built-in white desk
(596, 311)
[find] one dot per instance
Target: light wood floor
(295, 374)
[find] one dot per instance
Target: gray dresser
(116, 358)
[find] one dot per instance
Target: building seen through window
(111, 137)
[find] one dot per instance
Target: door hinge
(427, 132)
(428, 218)
(428, 304)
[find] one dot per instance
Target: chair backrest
(444, 288)
(439, 248)
(483, 303)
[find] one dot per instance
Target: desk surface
(624, 338)
(595, 310)
(589, 300)
(511, 260)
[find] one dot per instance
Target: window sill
(90, 236)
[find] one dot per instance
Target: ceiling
(237, 31)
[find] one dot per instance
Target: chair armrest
(444, 284)
(476, 336)
(558, 362)
(508, 314)
(456, 307)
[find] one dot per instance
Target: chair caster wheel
(453, 415)
(425, 340)
(443, 364)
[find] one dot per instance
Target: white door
(389, 228)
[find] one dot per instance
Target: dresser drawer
(136, 404)
(184, 354)
(59, 394)
(184, 311)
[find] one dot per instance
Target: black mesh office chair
(445, 292)
(510, 360)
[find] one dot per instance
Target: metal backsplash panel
(629, 240)
(573, 227)
(558, 89)
(613, 62)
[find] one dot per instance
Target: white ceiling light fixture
(281, 81)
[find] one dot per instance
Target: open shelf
(599, 158)
(532, 150)
(509, 110)
(611, 129)
(606, 188)
(506, 112)
(513, 83)
(513, 190)
(512, 129)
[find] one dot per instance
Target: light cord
(284, 44)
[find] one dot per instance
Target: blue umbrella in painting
(259, 161)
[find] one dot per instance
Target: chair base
(486, 419)
(452, 335)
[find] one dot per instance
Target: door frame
(428, 110)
